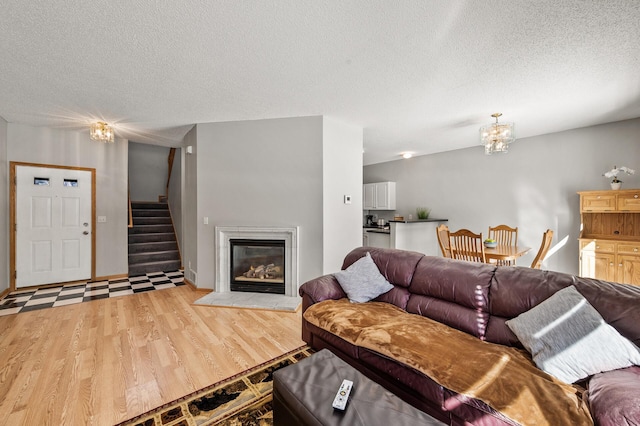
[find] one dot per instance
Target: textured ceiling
(419, 76)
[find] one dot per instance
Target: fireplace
(257, 265)
(257, 235)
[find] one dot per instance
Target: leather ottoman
(303, 394)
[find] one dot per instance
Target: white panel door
(53, 232)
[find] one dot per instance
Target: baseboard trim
(194, 287)
(5, 292)
(111, 277)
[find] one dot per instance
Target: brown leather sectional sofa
(477, 299)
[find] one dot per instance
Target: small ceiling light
(407, 155)
(496, 137)
(101, 131)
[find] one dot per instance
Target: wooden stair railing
(172, 154)
(130, 213)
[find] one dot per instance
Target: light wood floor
(105, 361)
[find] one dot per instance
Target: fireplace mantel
(223, 235)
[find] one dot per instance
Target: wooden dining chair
(442, 231)
(504, 236)
(466, 245)
(544, 248)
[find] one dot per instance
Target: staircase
(152, 240)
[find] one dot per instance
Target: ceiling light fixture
(407, 155)
(101, 131)
(496, 137)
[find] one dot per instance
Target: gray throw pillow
(362, 280)
(568, 338)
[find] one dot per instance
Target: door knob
(85, 224)
(85, 233)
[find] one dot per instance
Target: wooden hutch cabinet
(610, 235)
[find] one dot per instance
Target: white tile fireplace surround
(223, 235)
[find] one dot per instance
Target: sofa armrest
(322, 288)
(613, 397)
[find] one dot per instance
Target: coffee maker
(369, 220)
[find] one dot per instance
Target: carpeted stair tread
(151, 237)
(146, 220)
(140, 205)
(152, 256)
(152, 241)
(149, 213)
(148, 267)
(144, 229)
(152, 246)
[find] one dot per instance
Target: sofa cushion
(362, 281)
(569, 339)
(410, 378)
(516, 290)
(504, 378)
(453, 292)
(613, 397)
(463, 283)
(397, 266)
(449, 313)
(398, 296)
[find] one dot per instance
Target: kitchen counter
(414, 234)
(418, 220)
(378, 230)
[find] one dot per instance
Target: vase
(616, 185)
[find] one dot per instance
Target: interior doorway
(52, 224)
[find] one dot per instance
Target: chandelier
(496, 137)
(101, 131)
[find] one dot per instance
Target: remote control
(340, 401)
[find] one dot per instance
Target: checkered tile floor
(30, 300)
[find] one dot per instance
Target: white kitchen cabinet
(369, 196)
(379, 196)
(378, 239)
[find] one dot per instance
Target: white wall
(49, 146)
(4, 208)
(148, 171)
(263, 172)
(189, 225)
(342, 175)
(533, 186)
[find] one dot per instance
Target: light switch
(347, 199)
(102, 219)
(206, 220)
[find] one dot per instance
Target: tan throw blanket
(505, 378)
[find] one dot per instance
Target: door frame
(13, 223)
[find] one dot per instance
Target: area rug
(244, 399)
(238, 299)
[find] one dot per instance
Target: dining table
(505, 252)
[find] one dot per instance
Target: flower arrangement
(613, 173)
